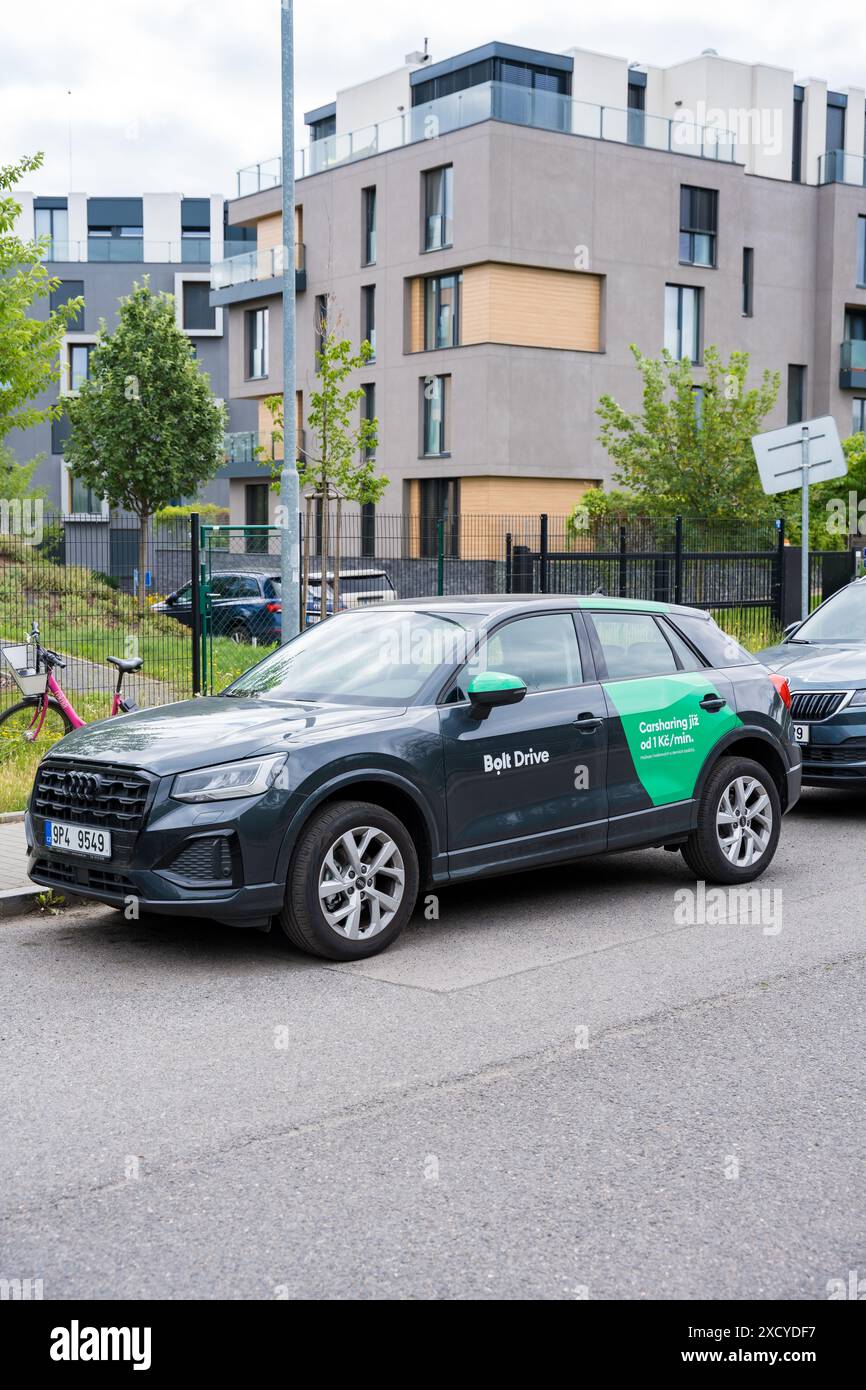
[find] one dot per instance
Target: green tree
(16, 479)
(688, 450)
(338, 464)
(145, 428)
(837, 508)
(29, 346)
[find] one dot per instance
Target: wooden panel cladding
(416, 314)
(516, 497)
(273, 448)
(529, 306)
(269, 231)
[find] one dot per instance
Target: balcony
(255, 273)
(852, 365)
(498, 101)
(837, 166)
(241, 458)
(130, 251)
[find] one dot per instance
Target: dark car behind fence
(81, 581)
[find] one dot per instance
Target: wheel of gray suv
(739, 820)
(353, 882)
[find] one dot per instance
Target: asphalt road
(560, 1089)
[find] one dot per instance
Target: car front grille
(811, 706)
(84, 876)
(853, 750)
(92, 794)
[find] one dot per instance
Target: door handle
(713, 703)
(588, 723)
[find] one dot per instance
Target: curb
(11, 817)
(15, 901)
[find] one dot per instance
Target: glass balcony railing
(853, 355)
(499, 101)
(115, 249)
(125, 250)
(240, 447)
(837, 166)
(264, 264)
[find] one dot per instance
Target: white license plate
(802, 733)
(78, 839)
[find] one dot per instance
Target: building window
(861, 251)
(195, 231)
(198, 316)
(83, 500)
(835, 123)
(79, 364)
(368, 530)
(257, 343)
(858, 424)
(797, 143)
(368, 317)
(438, 208)
(698, 219)
(255, 514)
(321, 325)
(368, 202)
(53, 224)
(683, 322)
(440, 501)
(368, 412)
(442, 311)
(636, 130)
(74, 289)
(855, 325)
(796, 394)
(748, 281)
(436, 425)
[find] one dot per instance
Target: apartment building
(502, 225)
(99, 247)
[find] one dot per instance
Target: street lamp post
(289, 489)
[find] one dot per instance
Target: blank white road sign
(779, 455)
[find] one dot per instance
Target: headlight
(859, 697)
(229, 780)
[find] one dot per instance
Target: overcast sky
(176, 95)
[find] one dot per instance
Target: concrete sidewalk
(17, 893)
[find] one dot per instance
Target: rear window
(714, 645)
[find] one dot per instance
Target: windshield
(842, 619)
(360, 658)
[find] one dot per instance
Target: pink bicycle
(45, 708)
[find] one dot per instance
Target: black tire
(240, 633)
(703, 851)
(303, 917)
(7, 743)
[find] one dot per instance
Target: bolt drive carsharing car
(418, 744)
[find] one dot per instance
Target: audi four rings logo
(84, 786)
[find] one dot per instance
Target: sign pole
(290, 500)
(804, 539)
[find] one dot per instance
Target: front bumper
(143, 868)
(835, 755)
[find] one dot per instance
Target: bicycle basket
(20, 662)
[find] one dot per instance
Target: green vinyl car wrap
(668, 734)
(416, 744)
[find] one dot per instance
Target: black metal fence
(83, 581)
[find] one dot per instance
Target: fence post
(508, 561)
(195, 561)
(440, 558)
(623, 567)
(678, 560)
(542, 558)
(779, 577)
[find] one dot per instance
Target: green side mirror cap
(489, 689)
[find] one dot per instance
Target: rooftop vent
(420, 55)
(709, 53)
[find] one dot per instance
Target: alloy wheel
(744, 822)
(361, 883)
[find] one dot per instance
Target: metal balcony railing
(499, 101)
(853, 355)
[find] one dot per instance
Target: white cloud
(178, 94)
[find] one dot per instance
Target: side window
(686, 657)
(247, 587)
(715, 646)
(541, 650)
(218, 586)
(633, 645)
